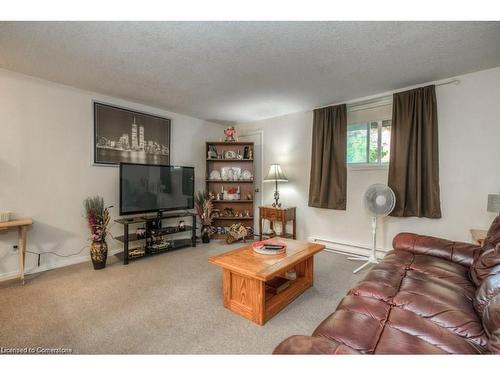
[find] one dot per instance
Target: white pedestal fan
(379, 201)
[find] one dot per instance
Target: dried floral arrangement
(204, 207)
(97, 218)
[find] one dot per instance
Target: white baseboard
(63, 262)
(347, 247)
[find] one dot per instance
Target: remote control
(273, 247)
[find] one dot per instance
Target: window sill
(367, 167)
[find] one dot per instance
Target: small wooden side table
(478, 235)
(278, 214)
(22, 227)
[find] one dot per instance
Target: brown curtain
(327, 187)
(414, 159)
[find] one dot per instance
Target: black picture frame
(117, 140)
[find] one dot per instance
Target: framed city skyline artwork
(124, 135)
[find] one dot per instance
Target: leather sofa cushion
(312, 345)
(409, 303)
(485, 265)
(440, 305)
(487, 291)
(457, 252)
(358, 323)
(493, 236)
(384, 280)
(491, 321)
(487, 304)
(407, 333)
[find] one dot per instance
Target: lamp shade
(275, 174)
(493, 203)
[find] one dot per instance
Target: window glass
(373, 151)
(369, 143)
(356, 143)
(386, 141)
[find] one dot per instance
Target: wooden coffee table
(246, 272)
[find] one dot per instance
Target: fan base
(369, 260)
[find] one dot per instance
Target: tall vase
(99, 254)
(205, 233)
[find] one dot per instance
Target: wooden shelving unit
(244, 204)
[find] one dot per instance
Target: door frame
(260, 133)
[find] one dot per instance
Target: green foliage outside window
(363, 142)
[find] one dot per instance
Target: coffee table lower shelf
(247, 296)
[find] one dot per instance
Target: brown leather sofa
(427, 296)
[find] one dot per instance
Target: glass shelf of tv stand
(144, 217)
(164, 231)
(146, 252)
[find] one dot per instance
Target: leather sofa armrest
(312, 345)
(457, 252)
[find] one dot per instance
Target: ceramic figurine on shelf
(230, 134)
(141, 233)
(212, 152)
(246, 152)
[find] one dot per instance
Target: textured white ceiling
(245, 71)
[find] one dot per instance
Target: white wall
(45, 164)
(469, 140)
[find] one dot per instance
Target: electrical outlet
(14, 248)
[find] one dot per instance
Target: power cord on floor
(39, 254)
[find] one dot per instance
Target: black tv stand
(153, 241)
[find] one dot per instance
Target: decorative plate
(215, 175)
(246, 175)
(236, 173)
(224, 171)
(230, 154)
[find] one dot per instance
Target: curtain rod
(454, 81)
(386, 99)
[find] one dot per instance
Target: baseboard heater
(346, 247)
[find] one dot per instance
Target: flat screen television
(155, 188)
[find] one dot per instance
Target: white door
(256, 138)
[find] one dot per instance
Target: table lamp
(276, 174)
(494, 203)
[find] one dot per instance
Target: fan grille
(379, 200)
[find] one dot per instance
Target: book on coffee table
(277, 285)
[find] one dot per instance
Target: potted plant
(98, 220)
(204, 209)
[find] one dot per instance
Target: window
(369, 143)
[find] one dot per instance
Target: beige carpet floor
(169, 303)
